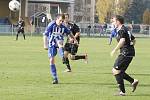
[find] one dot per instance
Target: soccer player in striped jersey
(53, 38)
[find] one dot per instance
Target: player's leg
(17, 34)
(74, 50)
(110, 39)
(67, 50)
(52, 53)
(23, 34)
(119, 78)
(134, 82)
(118, 73)
(60, 48)
(126, 64)
(67, 63)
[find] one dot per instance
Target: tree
(107, 8)
(146, 17)
(103, 9)
(132, 10)
(135, 11)
(121, 6)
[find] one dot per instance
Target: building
(50, 7)
(35, 12)
(84, 11)
(35, 7)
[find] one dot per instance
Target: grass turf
(24, 72)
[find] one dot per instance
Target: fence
(89, 30)
(6, 29)
(100, 30)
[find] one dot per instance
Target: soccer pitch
(24, 71)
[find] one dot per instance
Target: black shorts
(20, 31)
(71, 48)
(122, 62)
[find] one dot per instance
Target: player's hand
(112, 53)
(75, 41)
(45, 48)
(71, 40)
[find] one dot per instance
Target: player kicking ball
(126, 42)
(53, 38)
(71, 46)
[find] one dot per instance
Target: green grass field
(24, 72)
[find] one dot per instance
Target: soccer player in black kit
(71, 47)
(20, 26)
(126, 42)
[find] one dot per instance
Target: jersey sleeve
(122, 34)
(66, 31)
(76, 28)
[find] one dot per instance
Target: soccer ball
(14, 5)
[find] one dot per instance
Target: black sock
(24, 37)
(77, 57)
(120, 82)
(17, 37)
(68, 64)
(64, 60)
(128, 78)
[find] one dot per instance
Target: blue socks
(53, 67)
(53, 71)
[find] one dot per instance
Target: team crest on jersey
(58, 31)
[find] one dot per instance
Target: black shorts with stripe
(71, 48)
(122, 62)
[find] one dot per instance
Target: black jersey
(74, 29)
(128, 47)
(21, 25)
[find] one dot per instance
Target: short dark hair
(120, 19)
(66, 14)
(61, 15)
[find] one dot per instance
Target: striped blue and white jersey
(55, 33)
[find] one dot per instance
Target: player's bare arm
(45, 41)
(72, 38)
(77, 34)
(134, 42)
(119, 45)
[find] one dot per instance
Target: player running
(53, 39)
(126, 42)
(71, 47)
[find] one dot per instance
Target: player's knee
(51, 60)
(60, 44)
(72, 57)
(115, 71)
(65, 54)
